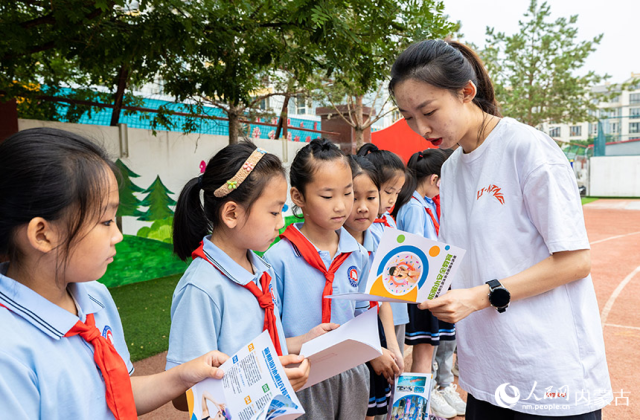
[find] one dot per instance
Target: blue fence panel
(142, 120)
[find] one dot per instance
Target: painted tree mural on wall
(129, 203)
(157, 201)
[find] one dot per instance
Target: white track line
(622, 326)
(614, 295)
(613, 237)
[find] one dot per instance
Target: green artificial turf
(145, 311)
(587, 200)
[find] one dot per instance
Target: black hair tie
(200, 182)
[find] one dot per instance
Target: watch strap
(494, 284)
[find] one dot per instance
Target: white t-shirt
(511, 203)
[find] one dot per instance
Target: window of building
(611, 113)
(263, 104)
(301, 106)
(575, 130)
(634, 98)
(615, 128)
(593, 129)
(157, 87)
(555, 132)
(634, 112)
(634, 128)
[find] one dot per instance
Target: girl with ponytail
(318, 258)
(510, 198)
(221, 217)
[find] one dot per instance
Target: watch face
(499, 297)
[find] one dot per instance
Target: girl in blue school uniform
(226, 297)
(384, 369)
(63, 354)
(416, 213)
(391, 174)
(318, 258)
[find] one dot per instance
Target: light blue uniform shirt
(300, 286)
(413, 217)
(377, 229)
(44, 375)
(213, 311)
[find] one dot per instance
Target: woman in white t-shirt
(529, 337)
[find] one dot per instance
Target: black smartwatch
(499, 297)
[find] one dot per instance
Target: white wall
(175, 156)
(614, 176)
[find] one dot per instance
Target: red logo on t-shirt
(494, 190)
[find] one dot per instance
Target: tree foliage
(91, 50)
(220, 52)
(535, 71)
(350, 85)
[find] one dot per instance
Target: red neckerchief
(311, 256)
(382, 220)
(264, 299)
(436, 200)
(433, 218)
(119, 393)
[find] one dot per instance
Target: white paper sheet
(354, 343)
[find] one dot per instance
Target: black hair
(392, 270)
(448, 65)
(53, 174)
(421, 165)
(305, 164)
(387, 163)
(195, 218)
(361, 165)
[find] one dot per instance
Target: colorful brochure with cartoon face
(409, 268)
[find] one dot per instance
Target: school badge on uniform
(108, 334)
(353, 276)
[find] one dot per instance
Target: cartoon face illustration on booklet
(409, 268)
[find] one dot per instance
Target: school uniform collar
(42, 314)
(234, 271)
(346, 242)
(368, 242)
(429, 201)
(420, 198)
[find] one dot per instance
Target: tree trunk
(123, 77)
(8, 118)
(359, 137)
(359, 120)
(234, 125)
(284, 116)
